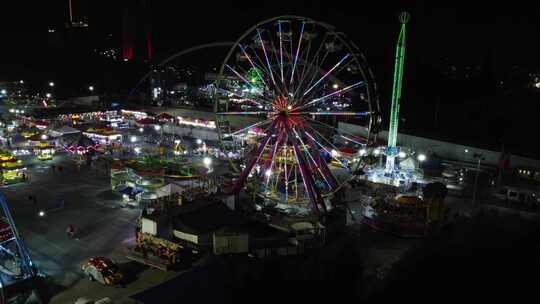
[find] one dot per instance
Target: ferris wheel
(281, 90)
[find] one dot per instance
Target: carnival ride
(16, 266)
(294, 78)
(392, 173)
(408, 215)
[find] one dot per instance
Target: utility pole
(480, 158)
(392, 151)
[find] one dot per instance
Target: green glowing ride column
(392, 150)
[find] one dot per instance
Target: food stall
(44, 151)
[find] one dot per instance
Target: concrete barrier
(445, 149)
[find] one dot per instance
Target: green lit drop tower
(392, 150)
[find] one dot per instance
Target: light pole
(159, 128)
(480, 158)
(421, 157)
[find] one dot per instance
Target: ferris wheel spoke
(260, 62)
(292, 70)
(291, 56)
(256, 68)
(281, 51)
(314, 69)
(353, 140)
(241, 70)
(307, 67)
(340, 91)
(340, 132)
(323, 167)
(268, 69)
(285, 172)
(326, 74)
(297, 51)
(271, 159)
(253, 113)
(314, 64)
(306, 175)
(266, 57)
(276, 56)
(311, 157)
(325, 149)
(259, 101)
(261, 123)
(305, 64)
(326, 113)
(334, 75)
(240, 76)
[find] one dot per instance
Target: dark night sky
(496, 39)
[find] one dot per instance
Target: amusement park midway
(80, 195)
(272, 173)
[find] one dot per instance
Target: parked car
(103, 270)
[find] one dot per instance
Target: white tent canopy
(63, 130)
(169, 189)
(408, 164)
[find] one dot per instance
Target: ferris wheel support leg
(243, 177)
(277, 145)
(313, 193)
(323, 166)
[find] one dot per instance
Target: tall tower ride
(392, 149)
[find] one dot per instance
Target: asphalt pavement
(105, 228)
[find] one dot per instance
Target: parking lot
(104, 226)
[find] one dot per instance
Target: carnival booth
(133, 115)
(44, 151)
(40, 124)
(78, 118)
(104, 136)
(165, 118)
(196, 122)
(145, 122)
(13, 170)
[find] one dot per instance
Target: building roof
(205, 219)
(66, 130)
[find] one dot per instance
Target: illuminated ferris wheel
(282, 89)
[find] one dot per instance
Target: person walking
(70, 231)
(34, 199)
(53, 168)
